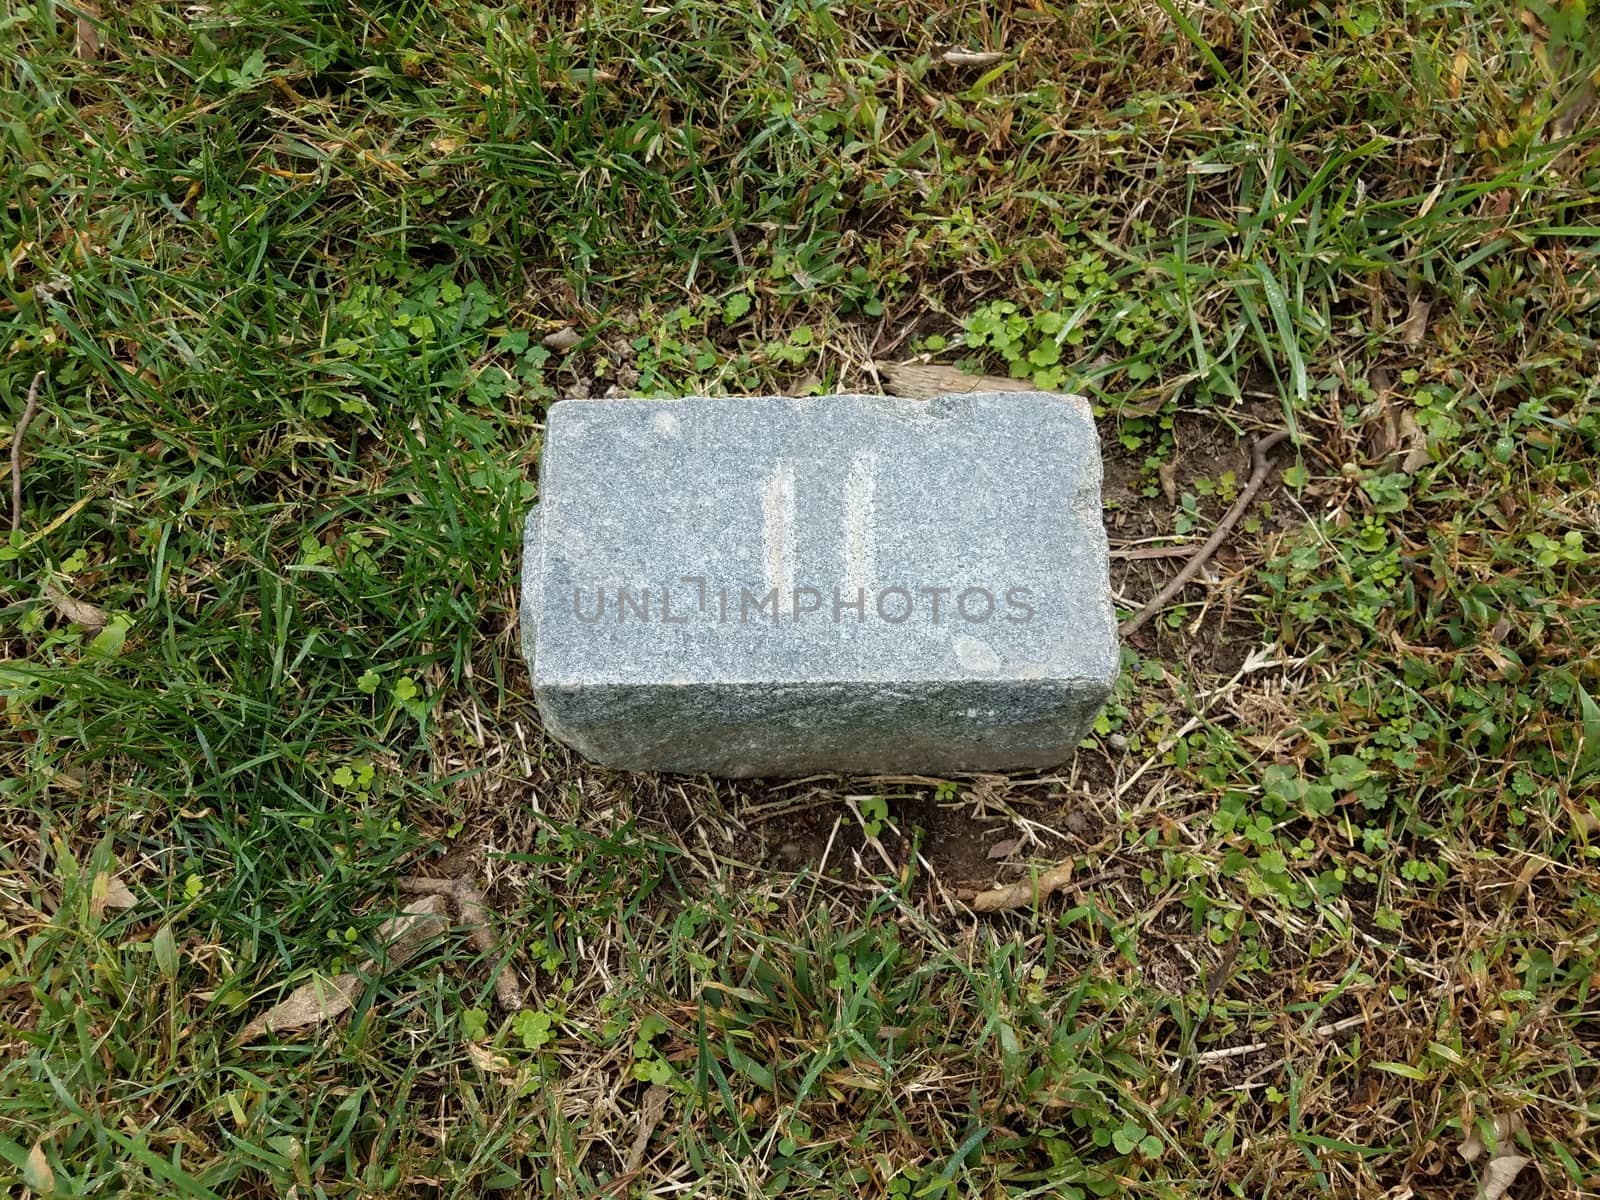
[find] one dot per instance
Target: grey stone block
(843, 583)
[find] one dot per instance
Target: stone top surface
(827, 539)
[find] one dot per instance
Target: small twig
(474, 917)
(1329, 1030)
(1144, 552)
(1260, 455)
(16, 450)
(1211, 1056)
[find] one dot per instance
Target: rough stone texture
(691, 572)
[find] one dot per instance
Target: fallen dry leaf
(1499, 1175)
(922, 380)
(474, 915)
(1573, 108)
(309, 1004)
(651, 1110)
(972, 58)
(324, 999)
(80, 612)
(423, 921)
(1396, 434)
(108, 891)
(562, 340)
(1007, 847)
(36, 1172)
(1026, 892)
(118, 894)
(1416, 323)
(584, 77)
(87, 43)
(486, 1060)
(1502, 1126)
(1415, 443)
(1167, 473)
(1458, 73)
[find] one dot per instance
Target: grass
(289, 270)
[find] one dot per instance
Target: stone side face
(777, 586)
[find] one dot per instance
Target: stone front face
(843, 583)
